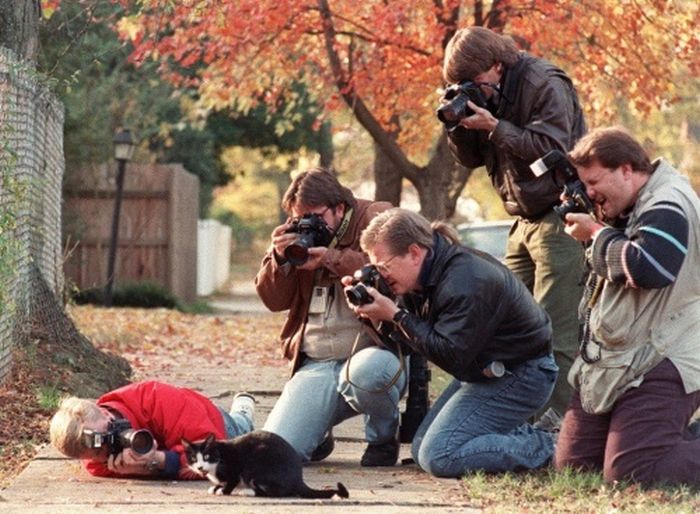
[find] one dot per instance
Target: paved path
(53, 484)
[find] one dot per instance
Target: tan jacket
(638, 328)
(284, 287)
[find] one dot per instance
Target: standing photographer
(82, 429)
(528, 108)
(637, 377)
(301, 273)
(469, 315)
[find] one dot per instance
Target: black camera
(313, 231)
(456, 108)
(576, 198)
(366, 276)
(120, 435)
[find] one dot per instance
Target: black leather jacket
(472, 311)
(538, 111)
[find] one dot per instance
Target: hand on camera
(128, 462)
(281, 239)
(581, 226)
(482, 119)
(381, 308)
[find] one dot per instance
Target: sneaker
(244, 403)
(550, 421)
(693, 429)
(382, 454)
(324, 449)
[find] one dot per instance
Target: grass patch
(48, 397)
(570, 491)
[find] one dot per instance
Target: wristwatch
(153, 466)
(400, 316)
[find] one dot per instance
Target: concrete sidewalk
(53, 484)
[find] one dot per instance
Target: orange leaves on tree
(388, 53)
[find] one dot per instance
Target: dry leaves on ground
(151, 340)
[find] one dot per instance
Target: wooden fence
(157, 238)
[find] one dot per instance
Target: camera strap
(342, 228)
(372, 332)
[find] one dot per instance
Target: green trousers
(550, 264)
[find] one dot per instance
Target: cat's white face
(203, 467)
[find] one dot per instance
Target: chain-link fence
(31, 171)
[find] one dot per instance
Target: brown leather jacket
(284, 287)
(538, 111)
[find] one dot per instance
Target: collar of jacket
(511, 82)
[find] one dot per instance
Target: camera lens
(296, 254)
(141, 441)
(358, 295)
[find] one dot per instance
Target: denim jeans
(482, 425)
(236, 423)
(550, 263)
(318, 397)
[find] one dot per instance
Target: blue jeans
(236, 423)
(318, 397)
(482, 425)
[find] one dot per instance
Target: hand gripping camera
(120, 435)
(313, 231)
(456, 96)
(576, 198)
(366, 276)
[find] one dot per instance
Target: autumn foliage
(389, 53)
(382, 60)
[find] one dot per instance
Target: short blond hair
(68, 423)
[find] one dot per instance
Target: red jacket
(169, 412)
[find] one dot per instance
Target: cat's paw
(215, 489)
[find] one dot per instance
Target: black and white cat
(264, 461)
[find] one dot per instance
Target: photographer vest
(331, 326)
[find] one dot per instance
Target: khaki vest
(638, 328)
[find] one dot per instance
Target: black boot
(382, 454)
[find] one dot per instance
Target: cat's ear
(210, 439)
(185, 443)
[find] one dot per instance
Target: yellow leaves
(48, 8)
(130, 26)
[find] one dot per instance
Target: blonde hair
(399, 228)
(68, 423)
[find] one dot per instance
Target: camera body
(456, 96)
(120, 435)
(312, 231)
(577, 200)
(368, 275)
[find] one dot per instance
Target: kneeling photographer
(468, 314)
(300, 272)
(637, 375)
(135, 431)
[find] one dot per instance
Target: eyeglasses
(383, 267)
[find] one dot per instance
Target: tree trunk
(19, 27)
(387, 177)
(440, 183)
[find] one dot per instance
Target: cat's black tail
(325, 493)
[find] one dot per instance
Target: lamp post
(123, 151)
